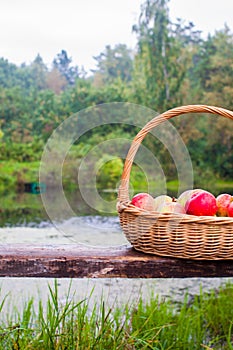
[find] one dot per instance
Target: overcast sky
(84, 27)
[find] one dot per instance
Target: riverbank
(14, 174)
(203, 320)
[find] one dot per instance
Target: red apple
(184, 196)
(171, 207)
(223, 201)
(230, 210)
(201, 203)
(143, 201)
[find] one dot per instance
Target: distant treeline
(172, 65)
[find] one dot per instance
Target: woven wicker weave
(174, 235)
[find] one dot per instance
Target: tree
(24, 76)
(55, 81)
(153, 42)
(8, 74)
(62, 63)
(218, 91)
(39, 72)
(162, 59)
(186, 33)
(115, 63)
(44, 117)
(200, 72)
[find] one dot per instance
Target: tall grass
(203, 322)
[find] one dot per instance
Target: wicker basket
(173, 235)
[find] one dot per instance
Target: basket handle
(123, 194)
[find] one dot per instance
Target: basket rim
(123, 191)
(129, 208)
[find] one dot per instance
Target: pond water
(25, 220)
(29, 210)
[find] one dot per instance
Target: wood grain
(79, 261)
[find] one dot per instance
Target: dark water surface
(27, 209)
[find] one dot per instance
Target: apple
(184, 196)
(171, 207)
(201, 203)
(223, 200)
(161, 200)
(230, 210)
(143, 201)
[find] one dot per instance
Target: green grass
(204, 322)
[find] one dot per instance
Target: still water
(25, 220)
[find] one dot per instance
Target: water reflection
(26, 209)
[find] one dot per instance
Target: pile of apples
(193, 202)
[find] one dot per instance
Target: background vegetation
(172, 65)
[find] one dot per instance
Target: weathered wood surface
(18, 260)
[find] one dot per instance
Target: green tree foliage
(55, 81)
(11, 110)
(163, 57)
(8, 74)
(109, 171)
(153, 42)
(27, 77)
(173, 65)
(63, 64)
(115, 63)
(219, 88)
(212, 75)
(39, 73)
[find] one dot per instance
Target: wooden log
(78, 261)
